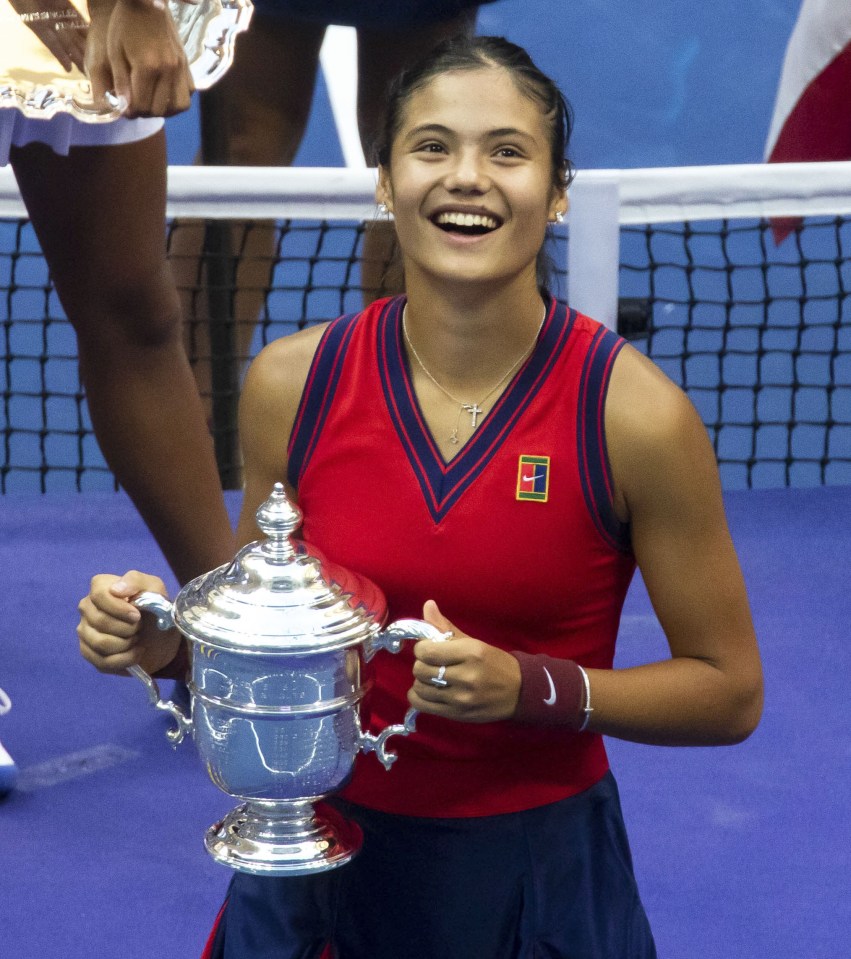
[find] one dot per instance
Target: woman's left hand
(483, 682)
(59, 26)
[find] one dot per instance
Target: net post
(220, 277)
(593, 249)
(339, 59)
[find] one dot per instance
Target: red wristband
(552, 691)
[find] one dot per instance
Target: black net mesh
(759, 335)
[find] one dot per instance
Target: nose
(468, 174)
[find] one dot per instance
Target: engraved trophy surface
(41, 42)
(278, 638)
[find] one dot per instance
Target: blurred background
(660, 83)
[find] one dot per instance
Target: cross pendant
(475, 412)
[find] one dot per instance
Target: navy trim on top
(318, 394)
(594, 470)
(444, 483)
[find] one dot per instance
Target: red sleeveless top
(516, 539)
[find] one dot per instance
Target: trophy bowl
(278, 639)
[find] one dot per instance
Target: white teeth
(466, 219)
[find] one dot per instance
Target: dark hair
(472, 53)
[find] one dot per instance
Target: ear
(560, 205)
(383, 190)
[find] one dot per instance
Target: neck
(467, 338)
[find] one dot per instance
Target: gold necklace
(474, 409)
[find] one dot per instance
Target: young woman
(497, 464)
(95, 194)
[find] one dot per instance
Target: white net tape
(660, 195)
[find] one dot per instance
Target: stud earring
(384, 211)
(559, 216)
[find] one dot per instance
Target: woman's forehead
(473, 99)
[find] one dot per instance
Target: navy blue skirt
(375, 14)
(556, 882)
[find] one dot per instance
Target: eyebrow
(439, 128)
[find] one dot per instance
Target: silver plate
(34, 81)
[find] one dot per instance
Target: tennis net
(757, 332)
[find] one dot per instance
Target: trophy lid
(280, 595)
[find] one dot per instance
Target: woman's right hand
(134, 52)
(114, 634)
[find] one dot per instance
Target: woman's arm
(267, 411)
(667, 487)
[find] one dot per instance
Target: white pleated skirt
(63, 131)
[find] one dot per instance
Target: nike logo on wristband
(551, 699)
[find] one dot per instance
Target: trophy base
(268, 838)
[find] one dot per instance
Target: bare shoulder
(276, 377)
(270, 398)
(284, 363)
(655, 437)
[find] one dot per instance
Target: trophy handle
(391, 639)
(162, 610)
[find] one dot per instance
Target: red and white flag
(812, 113)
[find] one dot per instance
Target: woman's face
(470, 180)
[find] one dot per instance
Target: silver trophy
(278, 639)
(41, 42)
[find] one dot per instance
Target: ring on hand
(438, 680)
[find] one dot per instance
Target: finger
(113, 597)
(77, 50)
(183, 91)
(102, 645)
(162, 97)
(440, 652)
(123, 84)
(54, 44)
(425, 700)
(117, 664)
(433, 616)
(426, 672)
(133, 582)
(110, 616)
(102, 81)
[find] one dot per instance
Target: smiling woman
(497, 463)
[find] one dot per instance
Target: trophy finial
(278, 518)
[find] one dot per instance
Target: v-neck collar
(443, 483)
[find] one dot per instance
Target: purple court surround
(739, 852)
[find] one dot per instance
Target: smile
(471, 224)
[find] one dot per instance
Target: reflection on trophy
(42, 43)
(278, 639)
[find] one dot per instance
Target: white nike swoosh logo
(550, 701)
(530, 479)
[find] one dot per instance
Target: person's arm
(710, 691)
(113, 634)
(267, 410)
(667, 488)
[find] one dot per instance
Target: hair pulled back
(474, 53)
